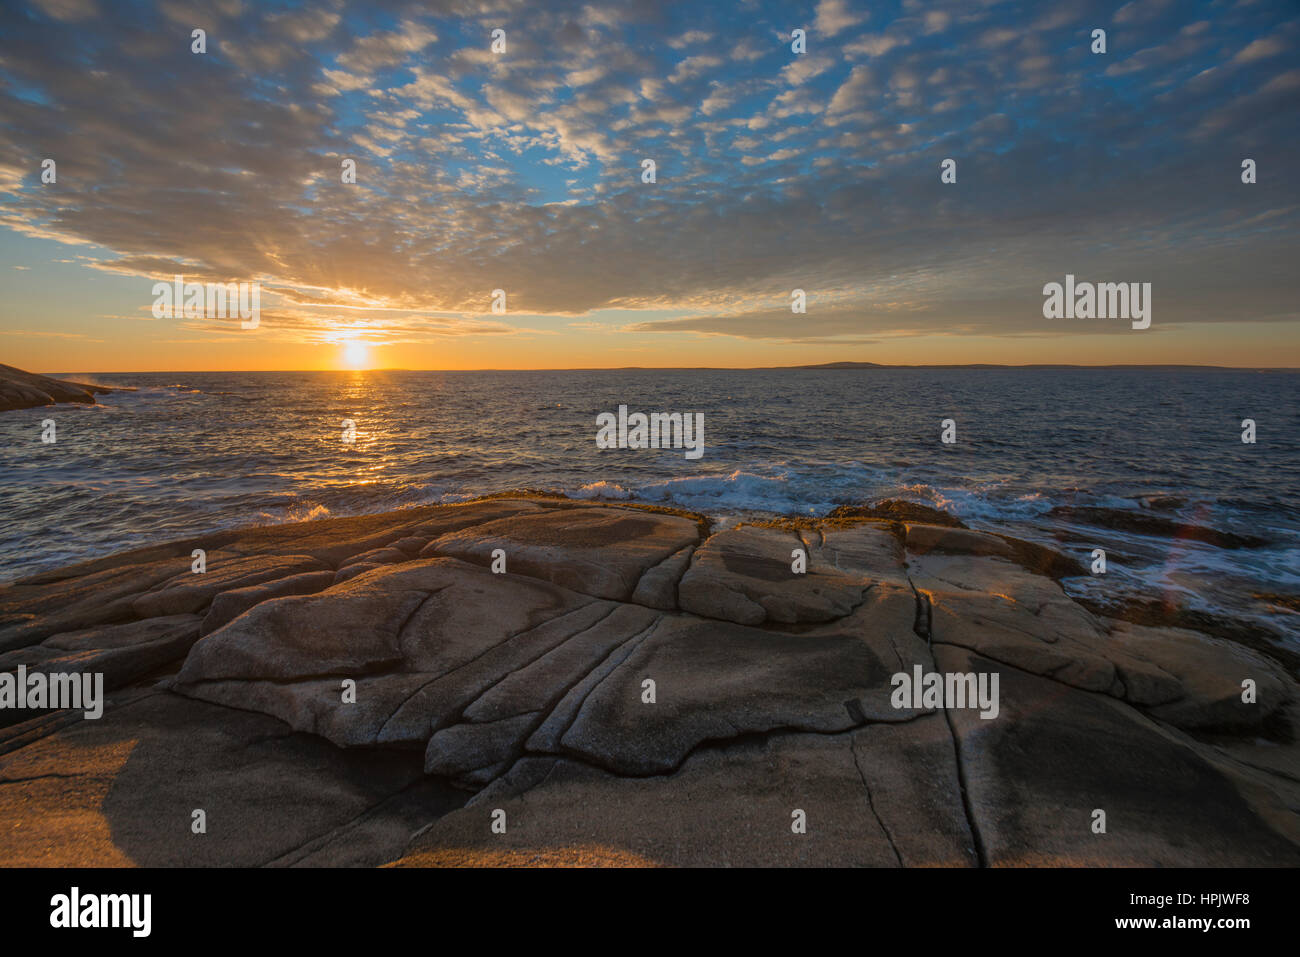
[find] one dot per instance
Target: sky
(522, 169)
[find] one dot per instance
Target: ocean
(1126, 460)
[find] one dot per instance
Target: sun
(356, 354)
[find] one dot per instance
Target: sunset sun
(356, 354)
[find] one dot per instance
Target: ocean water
(192, 452)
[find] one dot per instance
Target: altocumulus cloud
(522, 171)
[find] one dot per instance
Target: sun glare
(356, 354)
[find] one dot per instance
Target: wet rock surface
(627, 688)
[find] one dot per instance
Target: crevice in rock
(1049, 676)
(902, 667)
(294, 854)
(680, 575)
(614, 606)
(807, 546)
(288, 732)
(30, 730)
(857, 763)
(659, 564)
(42, 777)
(1037, 674)
(1262, 768)
(800, 627)
(519, 749)
(631, 644)
(980, 852)
(923, 622)
(700, 546)
(18, 736)
(372, 669)
(1237, 732)
(415, 611)
(511, 637)
(532, 627)
(1125, 676)
(546, 709)
(727, 741)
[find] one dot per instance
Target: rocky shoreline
(27, 390)
(467, 685)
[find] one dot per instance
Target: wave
(303, 512)
(736, 491)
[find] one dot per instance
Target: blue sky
(521, 170)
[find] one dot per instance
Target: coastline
(27, 390)
(200, 453)
(522, 690)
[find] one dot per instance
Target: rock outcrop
(539, 680)
(26, 390)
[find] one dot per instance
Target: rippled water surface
(191, 452)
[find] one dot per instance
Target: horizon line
(825, 367)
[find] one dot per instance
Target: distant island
(992, 365)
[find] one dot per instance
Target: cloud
(1140, 11)
(68, 10)
(804, 67)
(1182, 47)
(1260, 50)
(748, 49)
(872, 45)
(855, 93)
(387, 48)
(342, 81)
(693, 67)
(835, 16)
(522, 171)
(936, 21)
(304, 26)
(690, 38)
